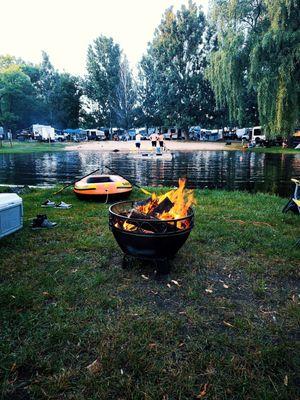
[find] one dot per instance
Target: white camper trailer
(44, 133)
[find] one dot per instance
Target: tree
(47, 86)
(126, 95)
(37, 93)
(148, 111)
(16, 97)
(275, 67)
(174, 67)
(103, 79)
(257, 63)
(33, 109)
(67, 101)
(59, 93)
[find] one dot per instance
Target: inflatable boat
(102, 187)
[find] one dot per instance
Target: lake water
(229, 170)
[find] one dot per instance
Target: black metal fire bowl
(156, 240)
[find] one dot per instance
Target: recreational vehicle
(44, 133)
(96, 134)
(172, 133)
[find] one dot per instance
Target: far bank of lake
(122, 146)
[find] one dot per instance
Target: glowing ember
(172, 205)
(129, 227)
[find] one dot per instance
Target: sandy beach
(179, 145)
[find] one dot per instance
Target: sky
(65, 28)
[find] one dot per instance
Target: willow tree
(275, 67)
(257, 61)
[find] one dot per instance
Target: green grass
(274, 150)
(30, 147)
(230, 326)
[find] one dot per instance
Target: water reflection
(214, 169)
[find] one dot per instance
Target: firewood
(135, 214)
(163, 206)
(152, 225)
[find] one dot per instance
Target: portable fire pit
(154, 229)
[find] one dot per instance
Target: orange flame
(129, 227)
(181, 198)
(178, 201)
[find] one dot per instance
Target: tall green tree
(103, 79)
(37, 93)
(256, 66)
(176, 60)
(16, 97)
(275, 67)
(67, 101)
(126, 94)
(48, 88)
(34, 107)
(148, 111)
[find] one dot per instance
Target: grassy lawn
(274, 150)
(30, 147)
(225, 328)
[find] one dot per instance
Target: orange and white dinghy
(102, 186)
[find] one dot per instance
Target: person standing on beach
(161, 140)
(153, 138)
(138, 138)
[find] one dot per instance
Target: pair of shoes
(62, 204)
(42, 222)
(48, 203)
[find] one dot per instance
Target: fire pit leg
(163, 266)
(127, 261)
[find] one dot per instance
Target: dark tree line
(37, 94)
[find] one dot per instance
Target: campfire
(154, 229)
(159, 213)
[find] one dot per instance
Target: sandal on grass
(63, 205)
(48, 203)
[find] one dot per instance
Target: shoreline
(129, 147)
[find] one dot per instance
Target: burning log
(153, 225)
(164, 206)
(159, 214)
(135, 223)
(139, 215)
